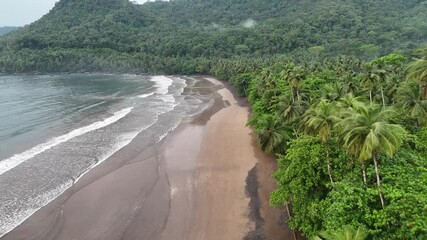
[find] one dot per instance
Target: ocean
(56, 128)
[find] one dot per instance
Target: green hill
(6, 30)
(117, 35)
(83, 24)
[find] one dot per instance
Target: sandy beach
(206, 180)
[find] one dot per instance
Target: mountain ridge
(7, 29)
(191, 29)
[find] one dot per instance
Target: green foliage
(410, 98)
(347, 204)
(417, 70)
(316, 50)
(302, 179)
(346, 233)
(369, 50)
(420, 147)
(173, 36)
(271, 134)
(241, 83)
(6, 30)
(321, 119)
(350, 203)
(367, 132)
(404, 216)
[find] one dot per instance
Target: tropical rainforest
(337, 89)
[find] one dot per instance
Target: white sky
(22, 12)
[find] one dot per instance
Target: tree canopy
(118, 35)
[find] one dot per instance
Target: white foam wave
(145, 95)
(162, 84)
(17, 159)
(167, 98)
(7, 225)
(125, 139)
(204, 107)
(46, 198)
(184, 85)
(92, 106)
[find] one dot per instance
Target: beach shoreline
(191, 185)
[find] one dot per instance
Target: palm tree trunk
(289, 218)
(425, 91)
(370, 96)
(330, 173)
(382, 97)
(378, 180)
(293, 95)
(364, 174)
(329, 166)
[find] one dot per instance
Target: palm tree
(377, 74)
(332, 91)
(289, 110)
(381, 74)
(264, 83)
(347, 233)
(410, 98)
(417, 70)
(369, 80)
(295, 79)
(367, 133)
(320, 121)
(393, 82)
(349, 102)
(293, 75)
(272, 135)
(285, 75)
(349, 84)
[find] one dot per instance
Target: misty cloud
(249, 23)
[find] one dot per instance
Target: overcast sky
(22, 12)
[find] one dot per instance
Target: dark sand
(206, 180)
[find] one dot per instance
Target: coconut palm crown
(417, 70)
(410, 98)
(368, 133)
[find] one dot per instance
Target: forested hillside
(6, 30)
(117, 35)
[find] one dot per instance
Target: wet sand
(206, 180)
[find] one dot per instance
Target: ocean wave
(9, 223)
(162, 84)
(165, 98)
(91, 106)
(124, 139)
(145, 95)
(174, 126)
(15, 160)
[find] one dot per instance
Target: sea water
(55, 128)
